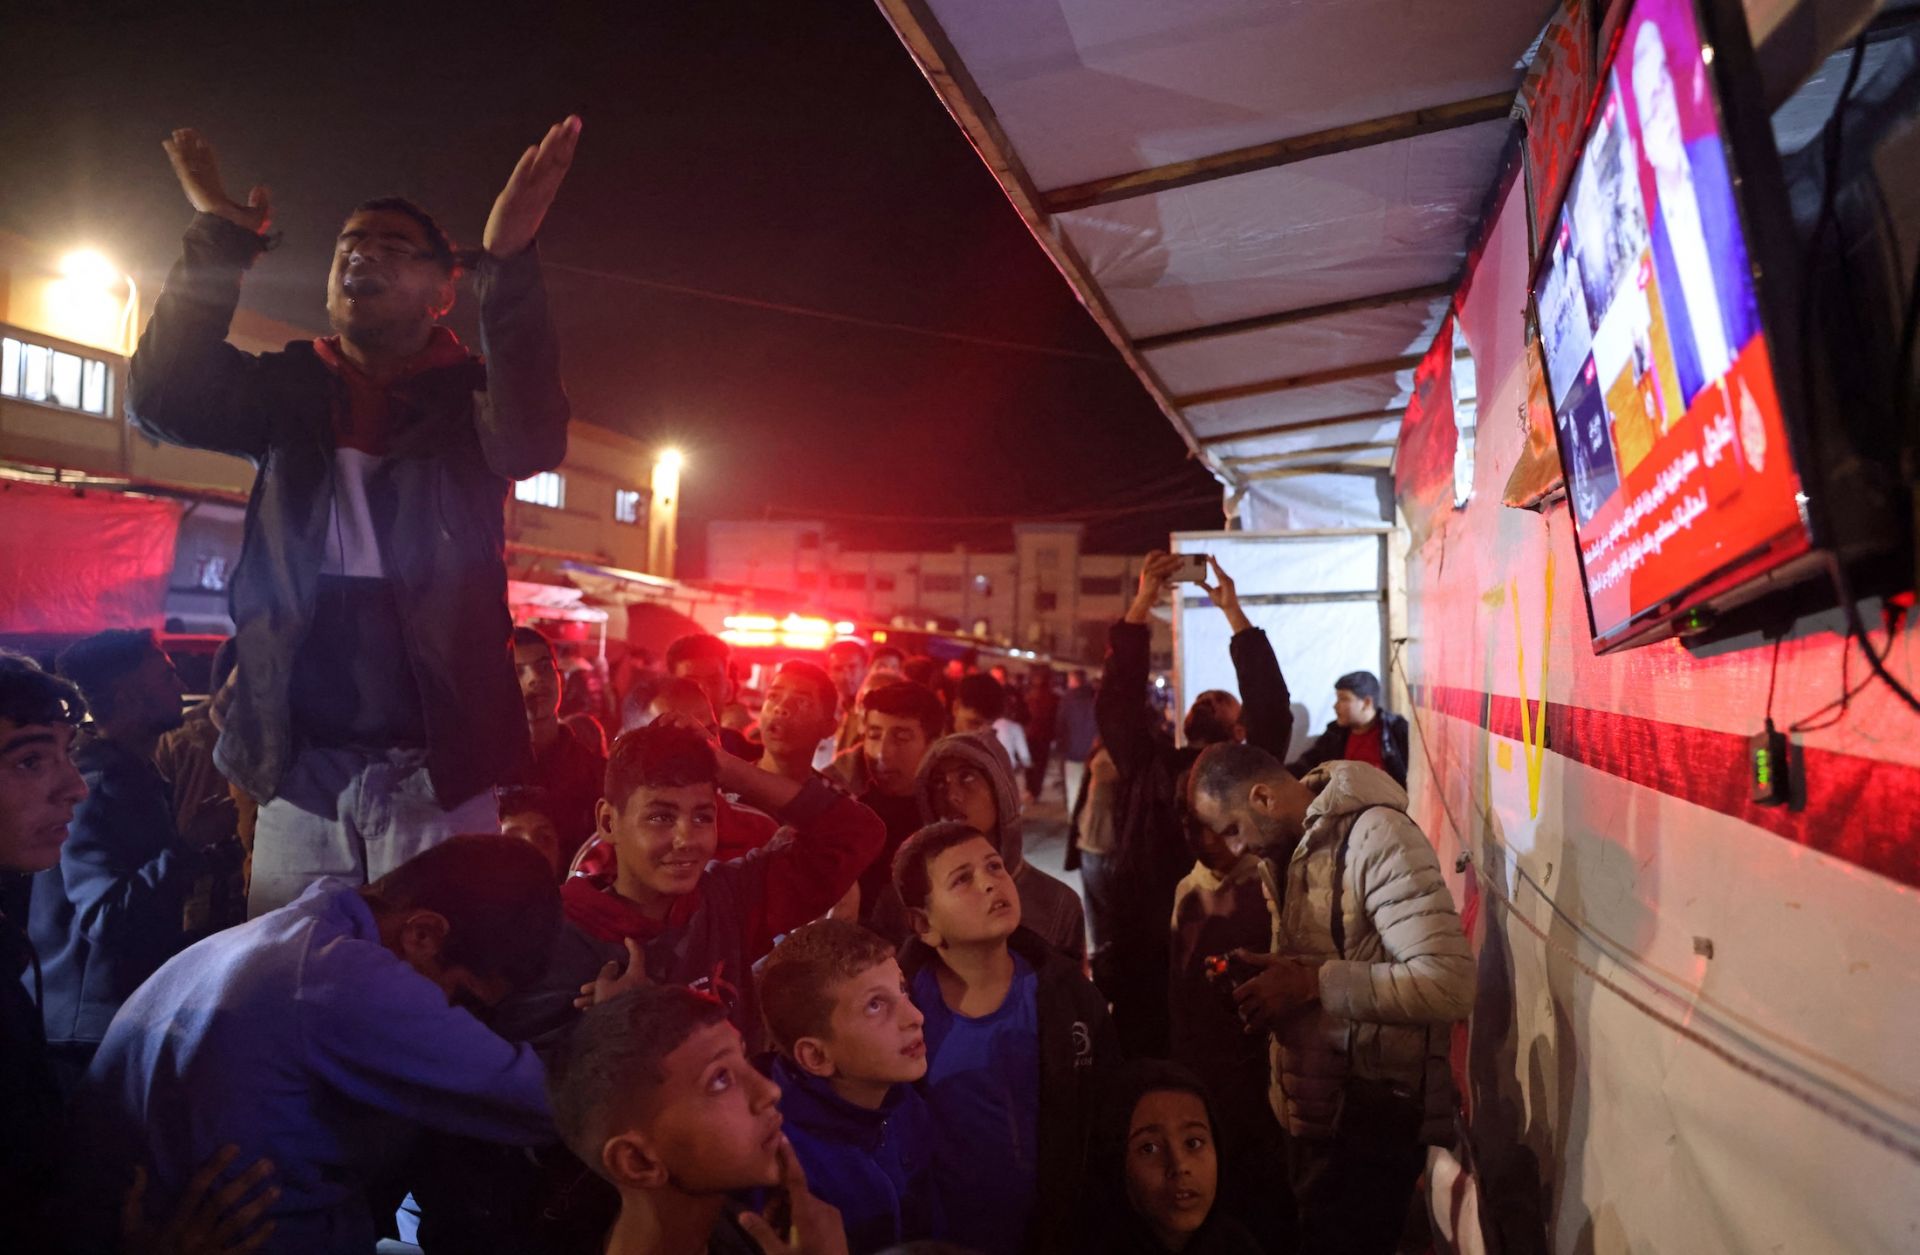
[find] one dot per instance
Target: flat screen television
(1663, 300)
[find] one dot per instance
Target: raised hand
(613, 981)
(1155, 573)
(1223, 594)
(523, 203)
(199, 173)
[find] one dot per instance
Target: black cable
(1773, 678)
(1848, 691)
(1844, 587)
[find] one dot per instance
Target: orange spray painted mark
(1533, 719)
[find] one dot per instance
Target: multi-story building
(68, 325)
(1047, 594)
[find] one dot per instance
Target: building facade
(1048, 594)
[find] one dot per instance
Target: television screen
(1664, 391)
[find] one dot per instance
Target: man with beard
(1369, 970)
(112, 910)
(375, 710)
(567, 768)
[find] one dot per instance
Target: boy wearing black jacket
(1015, 1037)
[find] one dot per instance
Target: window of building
(548, 488)
(983, 585)
(1044, 601)
(856, 580)
(883, 583)
(36, 372)
(942, 582)
(1046, 559)
(1100, 586)
(806, 579)
(809, 540)
(628, 506)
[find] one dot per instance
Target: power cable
(827, 315)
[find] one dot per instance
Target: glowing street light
(663, 513)
(85, 303)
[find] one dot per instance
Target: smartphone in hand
(1192, 569)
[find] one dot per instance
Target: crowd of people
(417, 930)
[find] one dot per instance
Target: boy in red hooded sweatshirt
(668, 912)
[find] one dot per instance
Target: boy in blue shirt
(1014, 1037)
(850, 1049)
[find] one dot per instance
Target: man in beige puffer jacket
(1369, 967)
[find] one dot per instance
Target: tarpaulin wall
(1698, 1017)
(82, 561)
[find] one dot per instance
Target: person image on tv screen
(1699, 251)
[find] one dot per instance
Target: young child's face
(664, 837)
(715, 1120)
(1172, 1170)
(874, 1034)
(971, 898)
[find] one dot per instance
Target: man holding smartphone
(1130, 887)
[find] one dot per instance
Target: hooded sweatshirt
(1404, 972)
(876, 1166)
(1047, 906)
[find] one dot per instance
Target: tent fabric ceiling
(1093, 88)
(1060, 93)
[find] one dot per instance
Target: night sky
(788, 153)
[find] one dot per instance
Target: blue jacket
(300, 1037)
(111, 911)
(875, 1166)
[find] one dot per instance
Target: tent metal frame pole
(1365, 446)
(1293, 317)
(1309, 424)
(1280, 152)
(1320, 468)
(1293, 383)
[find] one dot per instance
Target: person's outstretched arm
(1120, 710)
(186, 385)
(522, 416)
(1266, 707)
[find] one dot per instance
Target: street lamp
(663, 512)
(85, 303)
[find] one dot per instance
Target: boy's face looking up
(795, 718)
(711, 1126)
(962, 791)
(665, 837)
(873, 1039)
(895, 745)
(971, 898)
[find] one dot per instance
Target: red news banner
(1718, 484)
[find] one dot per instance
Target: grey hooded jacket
(1406, 972)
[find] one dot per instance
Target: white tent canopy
(1266, 204)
